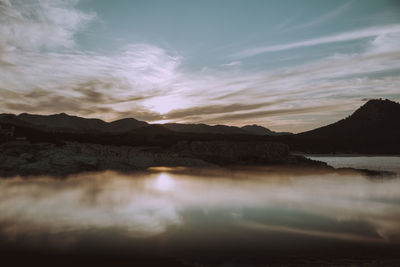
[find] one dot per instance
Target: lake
(198, 217)
(382, 163)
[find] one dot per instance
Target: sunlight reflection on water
(164, 182)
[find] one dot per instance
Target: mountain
(220, 129)
(13, 120)
(374, 128)
(126, 125)
(376, 118)
(204, 128)
(259, 130)
(73, 124)
(66, 123)
(153, 129)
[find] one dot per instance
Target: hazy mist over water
(192, 208)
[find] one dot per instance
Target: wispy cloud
(43, 70)
(213, 109)
(272, 113)
(232, 64)
(340, 37)
(325, 17)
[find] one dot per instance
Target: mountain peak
(376, 110)
(379, 103)
(375, 118)
(257, 129)
(260, 130)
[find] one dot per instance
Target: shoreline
(344, 155)
(32, 159)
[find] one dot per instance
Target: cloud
(43, 70)
(341, 37)
(272, 113)
(232, 64)
(325, 17)
(47, 72)
(40, 24)
(212, 109)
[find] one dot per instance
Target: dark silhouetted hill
(259, 130)
(67, 123)
(374, 128)
(73, 124)
(126, 125)
(375, 119)
(220, 129)
(63, 122)
(204, 128)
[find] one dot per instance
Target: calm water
(183, 217)
(362, 162)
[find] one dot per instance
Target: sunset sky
(286, 65)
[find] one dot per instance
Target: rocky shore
(25, 158)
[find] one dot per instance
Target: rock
(36, 167)
(12, 162)
(26, 156)
(140, 159)
(72, 157)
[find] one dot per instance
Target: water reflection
(164, 182)
(181, 207)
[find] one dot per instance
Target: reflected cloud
(148, 204)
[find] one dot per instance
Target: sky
(287, 65)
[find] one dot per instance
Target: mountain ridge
(69, 123)
(374, 128)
